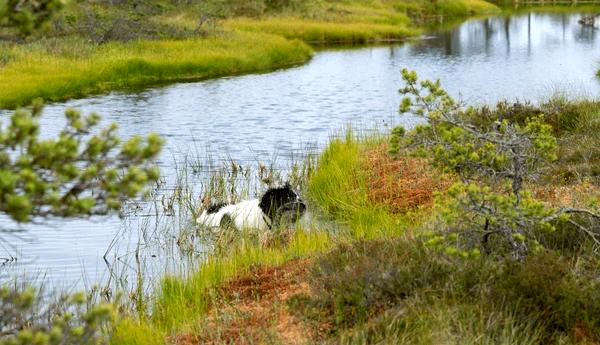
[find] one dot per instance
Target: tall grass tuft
(325, 32)
(341, 187)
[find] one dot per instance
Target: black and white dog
(263, 214)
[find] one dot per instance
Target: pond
(284, 114)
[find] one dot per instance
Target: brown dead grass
(253, 309)
(580, 194)
(402, 184)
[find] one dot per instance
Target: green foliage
(355, 282)
(28, 15)
(25, 319)
(404, 283)
(75, 174)
(395, 138)
(494, 158)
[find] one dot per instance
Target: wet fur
(259, 214)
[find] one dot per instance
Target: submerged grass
(75, 68)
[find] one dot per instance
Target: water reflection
(278, 115)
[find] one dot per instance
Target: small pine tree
(78, 173)
(493, 164)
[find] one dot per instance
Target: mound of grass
(402, 183)
(324, 32)
(360, 185)
(339, 187)
(379, 291)
(59, 70)
(182, 303)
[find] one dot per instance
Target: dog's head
(283, 201)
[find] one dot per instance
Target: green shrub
(27, 319)
(575, 122)
(353, 282)
(78, 173)
(356, 284)
(545, 286)
(28, 16)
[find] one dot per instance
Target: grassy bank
(182, 306)
(59, 70)
(184, 309)
(360, 21)
(377, 280)
(92, 48)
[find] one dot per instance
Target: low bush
(356, 285)
(576, 124)
(354, 282)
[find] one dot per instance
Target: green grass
(325, 32)
(182, 303)
(361, 21)
(74, 68)
(339, 188)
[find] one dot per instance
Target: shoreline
(70, 68)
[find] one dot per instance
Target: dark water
(281, 114)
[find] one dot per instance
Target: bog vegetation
(433, 244)
(481, 226)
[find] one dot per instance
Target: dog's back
(262, 214)
(243, 215)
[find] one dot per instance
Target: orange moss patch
(402, 184)
(253, 309)
(576, 195)
(583, 334)
(265, 282)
